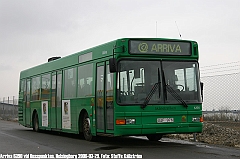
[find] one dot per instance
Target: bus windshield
(137, 78)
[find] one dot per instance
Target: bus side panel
(76, 106)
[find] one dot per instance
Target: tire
(35, 123)
(86, 128)
(154, 137)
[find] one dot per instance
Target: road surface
(18, 141)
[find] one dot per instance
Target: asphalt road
(18, 141)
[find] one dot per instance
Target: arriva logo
(143, 47)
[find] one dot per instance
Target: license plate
(165, 120)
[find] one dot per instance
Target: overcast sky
(31, 31)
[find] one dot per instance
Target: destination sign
(160, 47)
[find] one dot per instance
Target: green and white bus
(126, 87)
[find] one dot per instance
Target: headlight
(197, 119)
(130, 121)
(125, 121)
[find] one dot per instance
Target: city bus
(127, 87)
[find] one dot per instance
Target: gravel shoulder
(215, 133)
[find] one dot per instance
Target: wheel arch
(80, 119)
(33, 115)
(35, 121)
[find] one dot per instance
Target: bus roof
(100, 51)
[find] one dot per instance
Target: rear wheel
(154, 137)
(86, 128)
(35, 122)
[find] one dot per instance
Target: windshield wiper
(151, 93)
(176, 95)
(166, 88)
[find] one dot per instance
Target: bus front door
(104, 99)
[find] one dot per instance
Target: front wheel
(154, 137)
(86, 127)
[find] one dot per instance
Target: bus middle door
(56, 101)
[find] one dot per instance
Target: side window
(45, 91)
(59, 89)
(22, 85)
(22, 88)
(85, 80)
(28, 93)
(35, 88)
(53, 90)
(70, 83)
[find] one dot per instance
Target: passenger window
(35, 88)
(45, 91)
(70, 83)
(85, 80)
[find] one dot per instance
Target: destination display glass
(160, 47)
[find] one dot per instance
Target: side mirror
(112, 65)
(201, 85)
